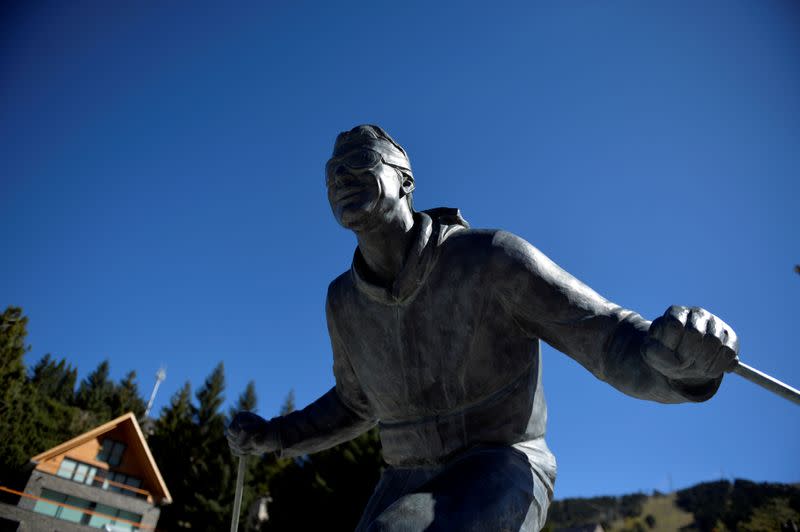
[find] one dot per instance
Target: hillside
(718, 506)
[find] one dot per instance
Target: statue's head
(368, 178)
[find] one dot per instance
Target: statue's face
(362, 189)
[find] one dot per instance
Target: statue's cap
(374, 138)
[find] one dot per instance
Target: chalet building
(103, 479)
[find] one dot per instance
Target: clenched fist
(249, 433)
(690, 344)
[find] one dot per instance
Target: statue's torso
(442, 363)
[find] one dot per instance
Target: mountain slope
(740, 505)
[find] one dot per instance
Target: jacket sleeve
(339, 415)
(548, 303)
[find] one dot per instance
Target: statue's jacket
(447, 357)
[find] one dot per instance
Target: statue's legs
(486, 489)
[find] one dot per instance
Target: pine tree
(30, 421)
(288, 404)
(173, 445)
(248, 400)
(126, 398)
(55, 379)
(178, 415)
(213, 470)
(13, 330)
(210, 399)
(37, 412)
(16, 407)
(96, 393)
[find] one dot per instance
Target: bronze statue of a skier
(435, 332)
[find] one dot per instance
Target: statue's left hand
(690, 344)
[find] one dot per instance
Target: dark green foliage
(631, 505)
(210, 399)
(288, 404)
(13, 330)
(739, 506)
(578, 511)
(248, 400)
(99, 395)
(707, 501)
(55, 379)
(105, 400)
(213, 468)
(261, 475)
(96, 392)
(189, 444)
(126, 398)
(172, 446)
(336, 483)
(41, 410)
(31, 419)
(14, 395)
(18, 415)
(735, 504)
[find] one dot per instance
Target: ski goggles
(361, 157)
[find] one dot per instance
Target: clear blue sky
(162, 197)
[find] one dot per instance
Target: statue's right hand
(249, 433)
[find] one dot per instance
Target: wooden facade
(136, 461)
(104, 479)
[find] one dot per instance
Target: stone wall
(27, 521)
(40, 480)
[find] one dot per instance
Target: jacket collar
(431, 228)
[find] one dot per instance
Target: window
(66, 507)
(97, 521)
(67, 468)
(122, 478)
(80, 473)
(77, 510)
(108, 480)
(116, 482)
(111, 452)
(77, 471)
(46, 508)
(127, 516)
(108, 515)
(73, 510)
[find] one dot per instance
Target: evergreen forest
(44, 405)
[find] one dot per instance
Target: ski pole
(765, 381)
(237, 497)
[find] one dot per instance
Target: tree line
(742, 505)
(44, 405)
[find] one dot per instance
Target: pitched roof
(128, 419)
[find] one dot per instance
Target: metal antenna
(161, 374)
